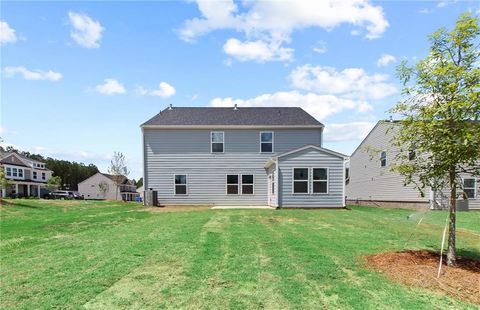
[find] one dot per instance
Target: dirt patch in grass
(419, 268)
(173, 208)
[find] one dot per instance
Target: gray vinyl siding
(311, 158)
(370, 181)
(169, 152)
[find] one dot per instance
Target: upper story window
(266, 141)
(14, 172)
(34, 174)
(469, 187)
(383, 159)
(217, 139)
(320, 180)
(300, 180)
(180, 184)
(8, 172)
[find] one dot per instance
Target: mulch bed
(419, 269)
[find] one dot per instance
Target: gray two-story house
(372, 181)
(241, 157)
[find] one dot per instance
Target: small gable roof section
(315, 148)
(232, 117)
(14, 159)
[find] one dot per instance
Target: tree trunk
(452, 252)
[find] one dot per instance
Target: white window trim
(252, 184)
(328, 180)
(175, 185)
(474, 187)
(239, 176)
(273, 142)
(308, 181)
(386, 159)
(211, 142)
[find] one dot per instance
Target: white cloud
(268, 25)
(320, 47)
(348, 131)
(258, 50)
(87, 32)
(444, 3)
(33, 75)
(164, 90)
(385, 60)
(110, 87)
(350, 82)
(320, 106)
(7, 34)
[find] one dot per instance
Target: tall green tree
(441, 111)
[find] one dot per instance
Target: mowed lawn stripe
(112, 255)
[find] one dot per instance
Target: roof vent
(170, 107)
(235, 107)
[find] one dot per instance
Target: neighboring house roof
(109, 176)
(392, 122)
(14, 159)
(250, 116)
(25, 161)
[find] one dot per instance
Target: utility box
(151, 198)
(462, 204)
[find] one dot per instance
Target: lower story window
(469, 187)
(247, 184)
(180, 184)
(43, 175)
(34, 174)
(232, 184)
(320, 180)
(300, 180)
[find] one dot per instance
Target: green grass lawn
(101, 255)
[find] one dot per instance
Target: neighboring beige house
(372, 182)
(102, 186)
(26, 177)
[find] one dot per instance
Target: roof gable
(250, 116)
(317, 148)
(14, 159)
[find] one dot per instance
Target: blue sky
(78, 78)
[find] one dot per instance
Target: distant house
(26, 177)
(141, 192)
(371, 180)
(241, 157)
(102, 186)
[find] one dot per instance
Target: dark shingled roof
(202, 116)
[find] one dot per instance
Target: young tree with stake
(441, 111)
(118, 170)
